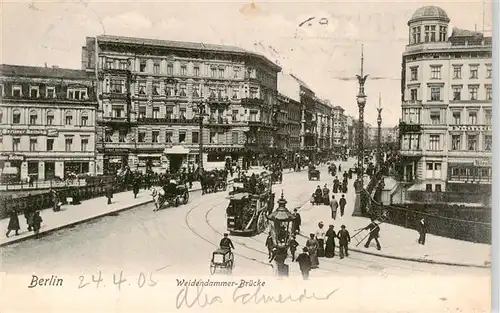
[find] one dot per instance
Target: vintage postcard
(232, 156)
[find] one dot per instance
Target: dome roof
(429, 13)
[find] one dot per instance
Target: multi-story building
(151, 92)
(288, 120)
(323, 130)
(339, 128)
(446, 91)
(350, 132)
(47, 122)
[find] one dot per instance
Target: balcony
(252, 101)
(113, 96)
(409, 128)
(166, 121)
(412, 102)
(470, 127)
(58, 98)
(113, 120)
(115, 147)
(411, 153)
(220, 100)
(220, 122)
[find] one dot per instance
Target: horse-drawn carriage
(247, 211)
(277, 176)
(173, 194)
(214, 181)
(223, 259)
(313, 172)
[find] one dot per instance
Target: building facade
(445, 132)
(339, 128)
(152, 94)
(323, 131)
(288, 125)
(47, 122)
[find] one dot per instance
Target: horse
(158, 195)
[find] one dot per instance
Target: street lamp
(379, 122)
(201, 114)
(281, 218)
(361, 100)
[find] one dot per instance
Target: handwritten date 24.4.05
(117, 280)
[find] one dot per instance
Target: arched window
(33, 117)
(50, 118)
(84, 119)
(69, 118)
(16, 117)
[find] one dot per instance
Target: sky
(324, 51)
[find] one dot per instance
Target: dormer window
(77, 93)
(17, 91)
(50, 92)
(109, 64)
(34, 92)
(142, 66)
(433, 33)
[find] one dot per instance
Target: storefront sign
(482, 162)
(13, 157)
(30, 132)
(472, 127)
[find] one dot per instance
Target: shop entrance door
(50, 170)
(175, 162)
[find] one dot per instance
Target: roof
(429, 12)
(301, 82)
(42, 72)
(182, 45)
(458, 32)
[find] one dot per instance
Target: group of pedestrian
(33, 220)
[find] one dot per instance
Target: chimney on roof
(55, 66)
(46, 65)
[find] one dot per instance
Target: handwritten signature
(190, 297)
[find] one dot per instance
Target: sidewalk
(75, 214)
(397, 242)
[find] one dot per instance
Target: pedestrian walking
(342, 204)
(374, 233)
(333, 206)
(344, 240)
(297, 221)
(320, 237)
(136, 187)
(293, 244)
(330, 242)
(37, 222)
(109, 194)
(422, 231)
(312, 247)
(269, 245)
(28, 214)
(305, 264)
(13, 223)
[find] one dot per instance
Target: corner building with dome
(446, 94)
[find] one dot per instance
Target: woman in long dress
(330, 242)
(312, 246)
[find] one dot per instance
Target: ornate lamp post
(201, 115)
(281, 219)
(361, 100)
(379, 137)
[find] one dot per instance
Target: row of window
(50, 92)
(436, 93)
(69, 144)
(432, 33)
(34, 118)
(457, 71)
(412, 116)
(412, 142)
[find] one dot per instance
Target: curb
(418, 260)
(85, 220)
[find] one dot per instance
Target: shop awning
(176, 150)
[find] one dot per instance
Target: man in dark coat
(422, 231)
(297, 221)
(109, 193)
(13, 223)
(304, 263)
(293, 244)
(226, 243)
(342, 204)
(269, 244)
(374, 233)
(136, 187)
(344, 240)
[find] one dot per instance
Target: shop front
(176, 157)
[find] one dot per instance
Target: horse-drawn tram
(247, 211)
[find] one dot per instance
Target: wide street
(180, 240)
